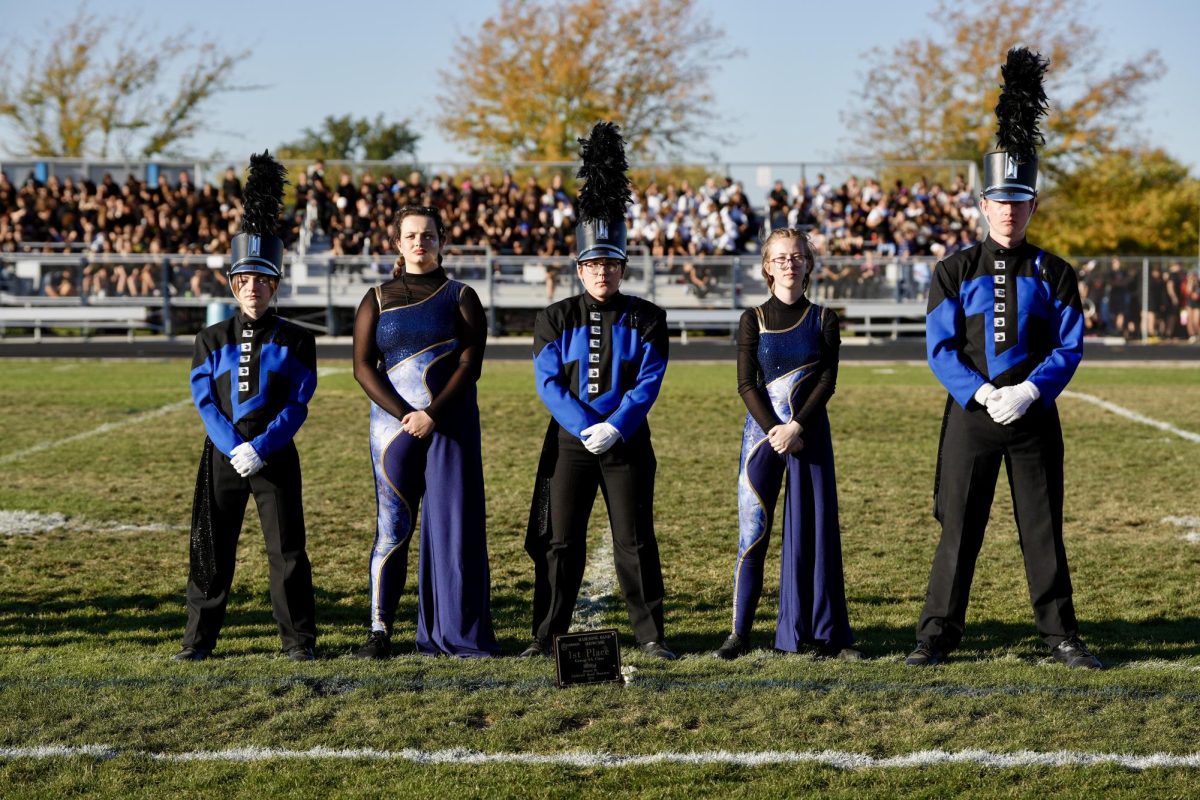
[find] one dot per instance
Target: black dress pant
(278, 494)
(1032, 451)
(625, 475)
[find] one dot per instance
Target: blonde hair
(810, 260)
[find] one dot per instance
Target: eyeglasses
(601, 267)
(787, 258)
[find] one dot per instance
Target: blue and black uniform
(418, 344)
(251, 382)
(1001, 316)
(787, 370)
(597, 362)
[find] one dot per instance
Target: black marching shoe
(926, 655)
(189, 653)
(538, 647)
(379, 645)
(733, 647)
(657, 650)
(1074, 653)
(300, 653)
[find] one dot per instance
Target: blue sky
(366, 58)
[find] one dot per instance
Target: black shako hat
(257, 248)
(604, 195)
(1010, 173)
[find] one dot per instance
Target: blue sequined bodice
(415, 341)
(788, 357)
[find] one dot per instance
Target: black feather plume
(1022, 104)
(262, 197)
(605, 191)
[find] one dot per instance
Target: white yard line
(100, 430)
(839, 759)
(1191, 523)
(109, 427)
(1133, 416)
(24, 523)
(596, 593)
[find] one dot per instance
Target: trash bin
(217, 312)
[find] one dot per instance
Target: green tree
(96, 86)
(539, 74)
(934, 97)
(345, 137)
(1131, 201)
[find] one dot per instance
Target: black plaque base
(588, 657)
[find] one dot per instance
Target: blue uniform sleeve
(221, 431)
(300, 370)
(551, 379)
(945, 332)
(1066, 326)
(635, 405)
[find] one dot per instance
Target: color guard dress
(787, 368)
(428, 337)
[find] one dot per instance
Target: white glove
(599, 437)
(245, 460)
(983, 392)
(1009, 404)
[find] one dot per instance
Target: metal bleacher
(321, 289)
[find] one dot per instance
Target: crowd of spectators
(110, 219)
(678, 224)
(1113, 299)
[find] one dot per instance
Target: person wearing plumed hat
(599, 360)
(252, 378)
(1004, 334)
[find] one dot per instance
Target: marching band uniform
(1004, 335)
(251, 382)
(252, 378)
(599, 362)
(426, 335)
(1001, 316)
(787, 370)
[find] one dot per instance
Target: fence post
(735, 282)
(493, 321)
(1145, 299)
(331, 328)
(651, 274)
(167, 323)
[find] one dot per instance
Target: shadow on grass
(1115, 641)
(149, 619)
(141, 618)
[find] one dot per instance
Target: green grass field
(91, 609)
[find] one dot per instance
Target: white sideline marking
(838, 759)
(1192, 523)
(1121, 411)
(25, 523)
(100, 430)
(326, 371)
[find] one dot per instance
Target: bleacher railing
(1122, 296)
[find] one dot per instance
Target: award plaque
(588, 657)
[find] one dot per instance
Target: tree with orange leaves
(539, 74)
